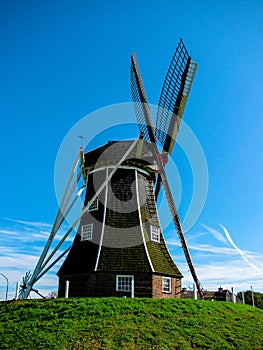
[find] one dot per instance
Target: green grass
(118, 323)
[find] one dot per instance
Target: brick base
(157, 288)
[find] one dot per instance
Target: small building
(223, 295)
(187, 293)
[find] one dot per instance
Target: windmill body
(119, 248)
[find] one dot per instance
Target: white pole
(7, 284)
(17, 289)
(66, 289)
(243, 297)
(233, 295)
(252, 294)
(132, 287)
(195, 291)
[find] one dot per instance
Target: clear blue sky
(61, 60)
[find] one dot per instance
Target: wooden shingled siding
(83, 254)
(158, 252)
(122, 247)
(103, 284)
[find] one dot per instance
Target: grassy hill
(118, 323)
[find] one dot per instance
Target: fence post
(243, 297)
(233, 295)
(17, 289)
(252, 295)
(66, 289)
(132, 287)
(195, 291)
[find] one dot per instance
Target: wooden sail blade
(174, 95)
(141, 107)
(178, 226)
(158, 186)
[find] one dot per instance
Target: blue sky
(62, 60)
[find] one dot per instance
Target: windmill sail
(173, 98)
(178, 226)
(141, 107)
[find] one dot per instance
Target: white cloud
(30, 223)
(8, 232)
(218, 264)
(242, 253)
(22, 242)
(218, 235)
(206, 248)
(226, 274)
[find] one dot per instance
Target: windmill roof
(110, 154)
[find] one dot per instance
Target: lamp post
(7, 283)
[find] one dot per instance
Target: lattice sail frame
(141, 107)
(173, 97)
(171, 106)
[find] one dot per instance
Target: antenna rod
(81, 140)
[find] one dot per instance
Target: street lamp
(6, 293)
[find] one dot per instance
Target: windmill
(120, 249)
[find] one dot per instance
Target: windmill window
(86, 232)
(155, 234)
(94, 205)
(124, 283)
(167, 284)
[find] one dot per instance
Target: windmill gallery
(119, 248)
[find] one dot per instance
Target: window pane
(155, 233)
(86, 232)
(167, 284)
(124, 283)
(94, 205)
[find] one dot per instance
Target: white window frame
(164, 285)
(94, 205)
(86, 230)
(155, 233)
(126, 288)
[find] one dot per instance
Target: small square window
(167, 284)
(94, 205)
(124, 283)
(155, 234)
(86, 232)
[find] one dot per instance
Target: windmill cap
(111, 153)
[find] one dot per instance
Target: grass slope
(112, 323)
